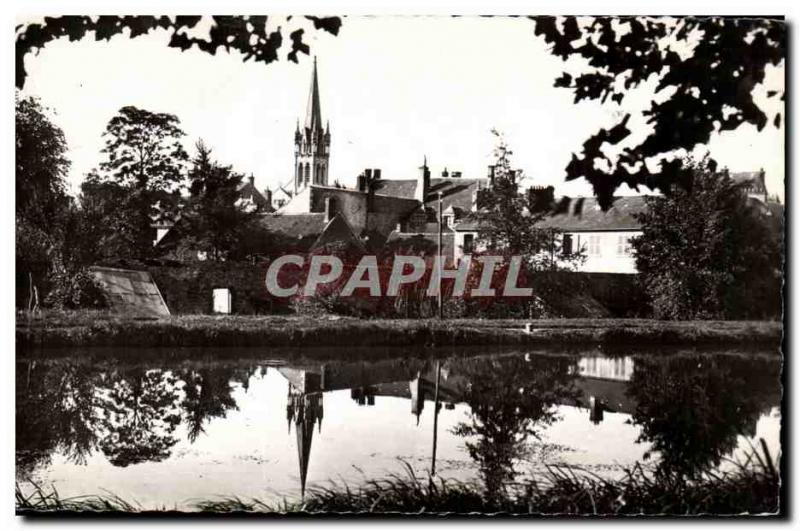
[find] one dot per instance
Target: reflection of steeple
(304, 410)
(417, 396)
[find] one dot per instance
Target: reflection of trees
(55, 412)
(73, 408)
(692, 408)
(207, 395)
(510, 399)
(140, 415)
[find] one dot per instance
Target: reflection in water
(692, 409)
(78, 422)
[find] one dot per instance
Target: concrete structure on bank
(130, 293)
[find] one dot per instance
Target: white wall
(605, 251)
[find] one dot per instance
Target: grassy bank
(98, 329)
(750, 488)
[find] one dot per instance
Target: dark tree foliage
(214, 221)
(707, 90)
(141, 180)
(231, 33)
(693, 408)
(708, 252)
(41, 169)
(49, 231)
(507, 220)
(41, 164)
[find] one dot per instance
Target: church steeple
(313, 110)
(312, 143)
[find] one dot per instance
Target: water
(170, 433)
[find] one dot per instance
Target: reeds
(750, 487)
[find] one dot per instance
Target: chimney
(268, 196)
(370, 196)
(444, 172)
(368, 175)
(376, 174)
(361, 183)
(423, 182)
(475, 195)
(251, 179)
(330, 208)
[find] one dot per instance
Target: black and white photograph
(399, 265)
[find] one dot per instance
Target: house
(752, 182)
(419, 231)
(604, 236)
(279, 197)
(250, 199)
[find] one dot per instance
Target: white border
(11, 10)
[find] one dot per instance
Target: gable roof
(585, 214)
(247, 190)
(309, 231)
(456, 191)
(752, 179)
(422, 243)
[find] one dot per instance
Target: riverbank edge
(82, 330)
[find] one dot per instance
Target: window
(623, 246)
(469, 243)
(566, 245)
(594, 245)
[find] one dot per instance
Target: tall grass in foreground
(751, 487)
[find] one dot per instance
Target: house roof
(423, 243)
(585, 214)
(294, 225)
(309, 230)
(248, 190)
(456, 191)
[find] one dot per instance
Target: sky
(395, 89)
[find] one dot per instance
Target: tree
(41, 163)
(215, 222)
(143, 173)
(508, 221)
(245, 34)
(41, 198)
(706, 70)
(707, 252)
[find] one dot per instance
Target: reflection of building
(304, 411)
(602, 383)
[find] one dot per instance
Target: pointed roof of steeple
(314, 111)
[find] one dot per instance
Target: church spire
(314, 112)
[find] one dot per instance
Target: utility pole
(441, 258)
(435, 418)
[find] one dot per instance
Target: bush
(75, 290)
